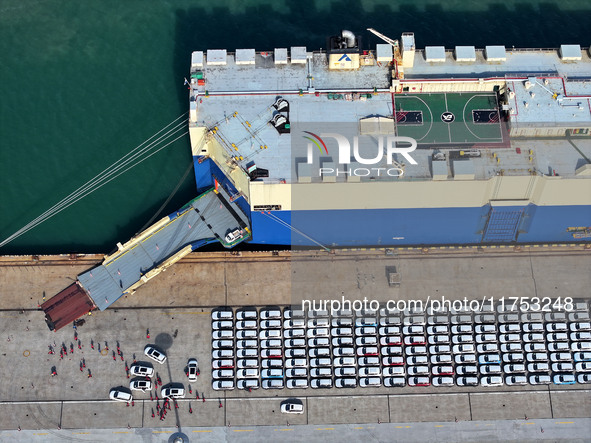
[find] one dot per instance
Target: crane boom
(383, 37)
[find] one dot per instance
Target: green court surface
(469, 118)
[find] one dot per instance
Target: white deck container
(245, 56)
(217, 57)
(465, 53)
(435, 54)
(495, 53)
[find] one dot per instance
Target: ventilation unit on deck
(299, 55)
(570, 52)
(435, 54)
(216, 57)
(465, 54)
(495, 53)
(280, 56)
(245, 56)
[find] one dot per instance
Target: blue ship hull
(404, 227)
(436, 226)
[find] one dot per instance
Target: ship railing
(559, 124)
(266, 54)
(508, 49)
(526, 74)
(421, 50)
(274, 181)
(519, 171)
(514, 49)
(577, 79)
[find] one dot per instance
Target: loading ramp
(204, 220)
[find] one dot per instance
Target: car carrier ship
(358, 146)
(503, 144)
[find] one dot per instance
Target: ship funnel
(350, 37)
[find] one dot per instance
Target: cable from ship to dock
(152, 145)
(294, 229)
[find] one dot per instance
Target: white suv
(120, 394)
(173, 392)
(493, 380)
(141, 369)
(155, 354)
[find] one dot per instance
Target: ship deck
(319, 114)
(519, 63)
(239, 103)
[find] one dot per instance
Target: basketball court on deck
(449, 118)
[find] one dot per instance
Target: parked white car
(155, 354)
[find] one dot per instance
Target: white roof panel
(376, 125)
(280, 56)
(495, 53)
(245, 56)
(570, 52)
(408, 41)
(197, 59)
(463, 169)
(217, 56)
(435, 53)
(384, 53)
(329, 172)
(465, 53)
(298, 54)
(304, 172)
(439, 170)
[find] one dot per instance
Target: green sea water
(84, 82)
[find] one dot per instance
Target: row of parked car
(504, 314)
(493, 353)
(483, 349)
